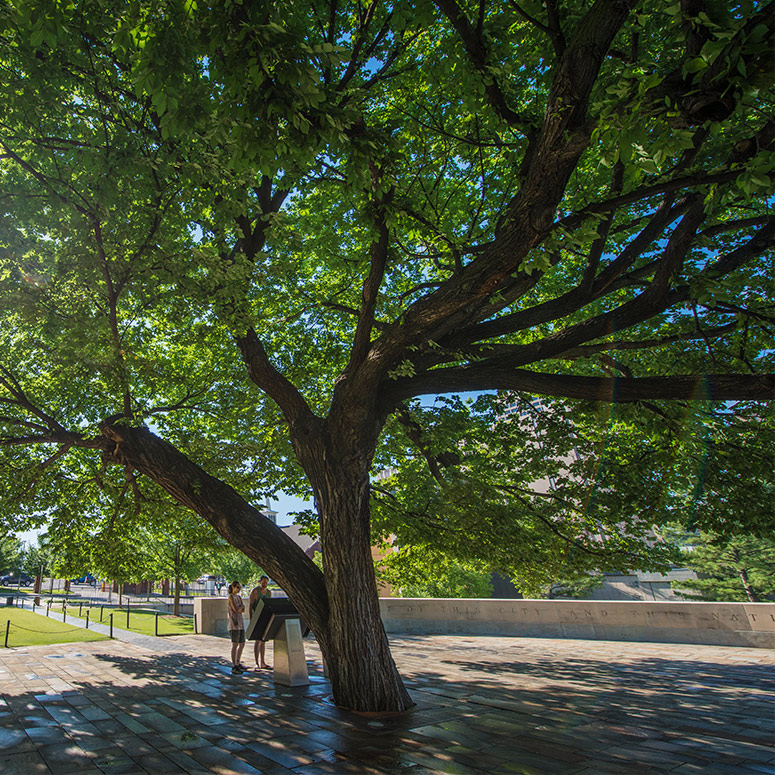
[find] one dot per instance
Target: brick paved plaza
(484, 705)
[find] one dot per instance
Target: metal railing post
(156, 625)
(87, 618)
(196, 629)
(7, 630)
(111, 625)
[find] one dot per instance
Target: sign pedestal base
(290, 664)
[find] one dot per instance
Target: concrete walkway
(484, 705)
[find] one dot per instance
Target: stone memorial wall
(212, 614)
(722, 624)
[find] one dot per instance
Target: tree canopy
(236, 238)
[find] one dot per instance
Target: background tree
(552, 493)
(537, 490)
(723, 478)
(737, 568)
(233, 565)
(10, 554)
(119, 557)
(425, 572)
(178, 546)
(579, 586)
(39, 557)
(245, 234)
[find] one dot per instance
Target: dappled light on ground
(484, 705)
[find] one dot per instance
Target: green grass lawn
(29, 629)
(14, 590)
(140, 620)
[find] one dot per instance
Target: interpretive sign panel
(269, 616)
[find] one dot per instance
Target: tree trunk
(363, 674)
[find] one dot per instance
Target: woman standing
(236, 626)
(261, 592)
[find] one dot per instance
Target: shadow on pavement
(502, 708)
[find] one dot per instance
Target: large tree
(237, 237)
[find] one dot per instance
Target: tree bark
(363, 674)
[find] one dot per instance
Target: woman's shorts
(237, 636)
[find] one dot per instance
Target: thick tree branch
(46, 184)
(652, 300)
(574, 299)
(113, 294)
(624, 316)
(587, 350)
(606, 281)
(292, 404)
(373, 281)
(742, 223)
(598, 246)
(552, 30)
(233, 518)
(360, 39)
(574, 220)
(553, 15)
(20, 399)
(64, 438)
(708, 387)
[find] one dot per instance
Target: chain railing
(107, 612)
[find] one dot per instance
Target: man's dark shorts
(237, 636)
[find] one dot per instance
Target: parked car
(88, 579)
(13, 581)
